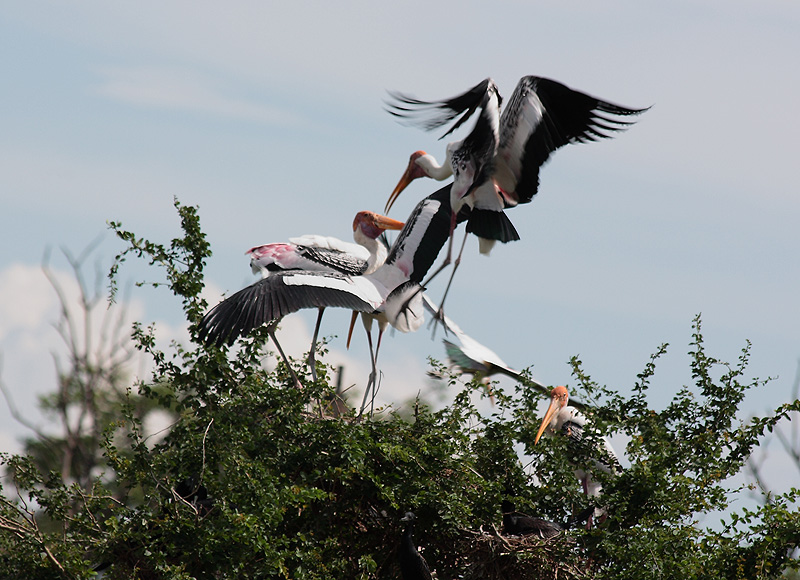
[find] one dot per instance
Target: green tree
(256, 480)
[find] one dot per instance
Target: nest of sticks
(487, 554)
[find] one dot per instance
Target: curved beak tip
(548, 416)
(401, 185)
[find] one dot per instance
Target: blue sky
(270, 119)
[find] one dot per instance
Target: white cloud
(26, 298)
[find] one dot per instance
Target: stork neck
(432, 168)
(377, 254)
(377, 250)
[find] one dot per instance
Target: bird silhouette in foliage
(195, 493)
(412, 565)
(519, 524)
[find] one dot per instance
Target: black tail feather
(491, 225)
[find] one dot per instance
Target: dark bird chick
(412, 565)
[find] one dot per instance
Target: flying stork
(328, 254)
(569, 421)
(472, 357)
(496, 166)
(393, 288)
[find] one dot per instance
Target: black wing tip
(613, 109)
(440, 113)
(214, 333)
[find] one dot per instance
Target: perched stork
(497, 165)
(328, 254)
(393, 288)
(412, 565)
(566, 419)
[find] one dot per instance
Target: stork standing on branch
(328, 254)
(567, 420)
(393, 288)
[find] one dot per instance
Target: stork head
(409, 517)
(373, 225)
(414, 171)
(559, 398)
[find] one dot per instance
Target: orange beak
(372, 219)
(401, 185)
(387, 223)
(413, 171)
(352, 324)
(555, 406)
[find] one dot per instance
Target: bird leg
(311, 360)
(439, 316)
(271, 333)
(372, 375)
(449, 256)
(372, 358)
(375, 383)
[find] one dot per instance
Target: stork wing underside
(280, 294)
(459, 358)
(426, 231)
(543, 115)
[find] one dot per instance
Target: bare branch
(18, 417)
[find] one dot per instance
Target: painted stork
(472, 357)
(412, 565)
(569, 421)
(393, 288)
(497, 165)
(328, 254)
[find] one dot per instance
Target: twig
(203, 466)
(12, 408)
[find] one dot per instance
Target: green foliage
(294, 492)
(183, 260)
